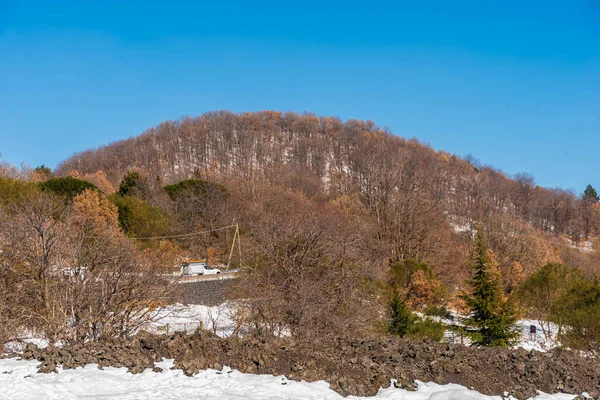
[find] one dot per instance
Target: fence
(188, 327)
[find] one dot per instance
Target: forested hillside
(336, 228)
(409, 200)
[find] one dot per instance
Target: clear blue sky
(514, 83)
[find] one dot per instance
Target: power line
(182, 235)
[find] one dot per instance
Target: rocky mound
(351, 367)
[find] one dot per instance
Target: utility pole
(236, 235)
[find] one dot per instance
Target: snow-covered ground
(586, 246)
(19, 380)
(539, 341)
(542, 340)
(177, 317)
(221, 320)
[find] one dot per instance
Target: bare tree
(304, 277)
(77, 277)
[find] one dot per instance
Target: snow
(21, 339)
(586, 246)
(462, 227)
(221, 320)
(177, 317)
(543, 340)
(19, 380)
(539, 341)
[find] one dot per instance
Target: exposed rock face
(350, 366)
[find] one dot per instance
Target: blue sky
(514, 83)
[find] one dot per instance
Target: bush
(566, 297)
(198, 187)
(137, 218)
(418, 283)
(427, 328)
(581, 307)
(542, 294)
(402, 322)
(13, 190)
(68, 187)
(438, 311)
(403, 272)
(133, 184)
(400, 317)
(43, 171)
(304, 276)
(69, 276)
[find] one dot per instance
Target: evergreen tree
(44, 171)
(400, 318)
(196, 187)
(492, 319)
(134, 184)
(590, 194)
(139, 219)
(68, 186)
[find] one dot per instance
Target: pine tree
(590, 194)
(134, 184)
(400, 318)
(44, 171)
(492, 319)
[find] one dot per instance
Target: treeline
(71, 271)
(413, 197)
(566, 297)
(75, 263)
(67, 271)
(339, 222)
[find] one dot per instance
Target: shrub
(68, 187)
(133, 184)
(581, 308)
(418, 283)
(437, 311)
(198, 187)
(543, 293)
(137, 218)
(13, 190)
(427, 328)
(400, 317)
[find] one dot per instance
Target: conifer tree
(492, 318)
(590, 194)
(134, 184)
(400, 318)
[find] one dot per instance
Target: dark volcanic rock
(352, 367)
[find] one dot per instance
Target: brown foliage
(304, 276)
(101, 181)
(72, 274)
(409, 190)
(166, 255)
(92, 208)
(422, 291)
(316, 196)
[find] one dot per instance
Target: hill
(417, 201)
(336, 230)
